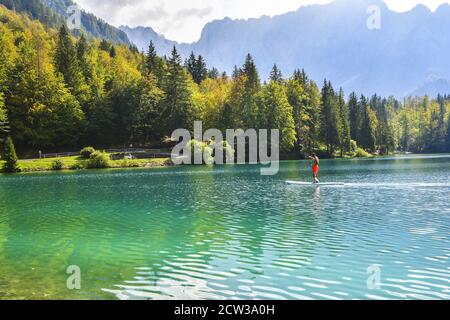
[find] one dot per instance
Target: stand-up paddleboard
(305, 184)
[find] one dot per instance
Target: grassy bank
(78, 163)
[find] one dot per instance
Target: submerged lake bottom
(226, 232)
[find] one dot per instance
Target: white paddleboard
(299, 183)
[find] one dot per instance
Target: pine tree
(151, 58)
(66, 61)
(105, 45)
(344, 139)
(249, 70)
(330, 124)
(247, 104)
(197, 69)
(201, 72)
(275, 74)
(236, 72)
(213, 73)
(154, 64)
(112, 52)
(191, 65)
(82, 48)
(353, 108)
(177, 102)
(367, 127)
(10, 157)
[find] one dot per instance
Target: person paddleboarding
(315, 167)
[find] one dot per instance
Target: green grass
(73, 163)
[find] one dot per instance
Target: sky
(183, 20)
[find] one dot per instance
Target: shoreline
(72, 164)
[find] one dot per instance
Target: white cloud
(184, 20)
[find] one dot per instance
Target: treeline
(58, 91)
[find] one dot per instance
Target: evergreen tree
(10, 157)
(353, 107)
(249, 70)
(105, 45)
(66, 61)
(191, 65)
(82, 48)
(275, 74)
(330, 124)
(151, 58)
(252, 85)
(112, 52)
(177, 111)
(197, 69)
(201, 72)
(344, 139)
(300, 76)
(383, 133)
(213, 73)
(236, 72)
(154, 64)
(367, 127)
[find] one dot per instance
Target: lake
(227, 232)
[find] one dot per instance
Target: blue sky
(183, 20)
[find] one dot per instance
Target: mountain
(332, 41)
(141, 36)
(54, 13)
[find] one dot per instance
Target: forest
(60, 91)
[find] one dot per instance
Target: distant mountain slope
(141, 36)
(54, 13)
(333, 41)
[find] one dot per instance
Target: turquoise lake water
(227, 232)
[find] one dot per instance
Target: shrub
(86, 153)
(127, 163)
(98, 160)
(361, 153)
(77, 166)
(10, 157)
(57, 164)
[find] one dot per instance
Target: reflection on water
(228, 233)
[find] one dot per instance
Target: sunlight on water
(228, 233)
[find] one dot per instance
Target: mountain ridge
(332, 41)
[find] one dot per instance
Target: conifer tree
(367, 128)
(330, 124)
(275, 74)
(344, 138)
(10, 157)
(66, 61)
(353, 108)
(177, 102)
(201, 72)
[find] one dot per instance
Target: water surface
(228, 233)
